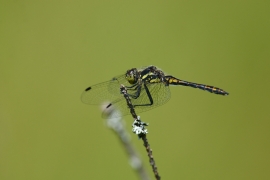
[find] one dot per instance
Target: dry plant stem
(151, 158)
(117, 126)
(141, 171)
(142, 136)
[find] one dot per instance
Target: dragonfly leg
(137, 93)
(132, 86)
(149, 96)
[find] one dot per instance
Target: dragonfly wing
(159, 92)
(117, 108)
(160, 95)
(103, 93)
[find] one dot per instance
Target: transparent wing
(159, 92)
(105, 92)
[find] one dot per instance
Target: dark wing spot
(109, 105)
(87, 89)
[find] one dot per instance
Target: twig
(117, 126)
(139, 129)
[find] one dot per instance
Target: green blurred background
(50, 51)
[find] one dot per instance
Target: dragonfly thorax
(132, 76)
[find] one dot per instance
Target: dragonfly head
(132, 75)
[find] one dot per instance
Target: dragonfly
(147, 88)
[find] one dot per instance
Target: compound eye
(131, 77)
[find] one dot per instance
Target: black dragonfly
(147, 88)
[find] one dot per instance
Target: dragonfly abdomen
(174, 81)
